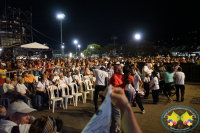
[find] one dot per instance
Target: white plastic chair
(77, 94)
(53, 99)
(66, 97)
(86, 78)
(85, 93)
(89, 88)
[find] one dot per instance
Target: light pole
(91, 47)
(137, 36)
(75, 42)
(79, 47)
(61, 17)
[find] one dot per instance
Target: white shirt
(146, 79)
(110, 73)
(77, 77)
(144, 70)
(68, 80)
(41, 86)
(56, 78)
(21, 88)
(7, 87)
(136, 81)
(100, 76)
(180, 78)
(47, 83)
(62, 81)
(154, 81)
(7, 125)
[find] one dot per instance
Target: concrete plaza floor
(76, 118)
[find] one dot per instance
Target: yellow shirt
(3, 73)
(198, 62)
(30, 78)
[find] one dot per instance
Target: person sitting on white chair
(41, 91)
(24, 93)
(62, 82)
(8, 89)
(56, 77)
(68, 80)
(79, 80)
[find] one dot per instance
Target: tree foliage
(93, 49)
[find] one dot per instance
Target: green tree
(93, 49)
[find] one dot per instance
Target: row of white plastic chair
(74, 95)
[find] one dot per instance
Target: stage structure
(15, 27)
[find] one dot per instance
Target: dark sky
(96, 21)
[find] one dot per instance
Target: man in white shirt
(145, 69)
(138, 83)
(8, 88)
(79, 80)
(101, 83)
(18, 118)
(41, 91)
(68, 80)
(24, 93)
(179, 78)
(110, 71)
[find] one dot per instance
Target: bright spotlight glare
(75, 41)
(60, 16)
(79, 46)
(70, 55)
(63, 46)
(137, 36)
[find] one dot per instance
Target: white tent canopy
(34, 45)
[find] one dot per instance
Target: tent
(34, 45)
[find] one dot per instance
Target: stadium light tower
(137, 36)
(75, 42)
(79, 47)
(61, 17)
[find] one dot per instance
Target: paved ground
(75, 118)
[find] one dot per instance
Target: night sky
(96, 21)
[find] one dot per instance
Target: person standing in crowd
(179, 78)
(24, 93)
(146, 81)
(168, 78)
(154, 86)
(101, 84)
(138, 84)
(126, 77)
(162, 82)
(18, 119)
(110, 70)
(30, 80)
(145, 69)
(116, 81)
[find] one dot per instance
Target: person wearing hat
(18, 119)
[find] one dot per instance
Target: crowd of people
(23, 80)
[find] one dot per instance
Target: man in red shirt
(116, 81)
